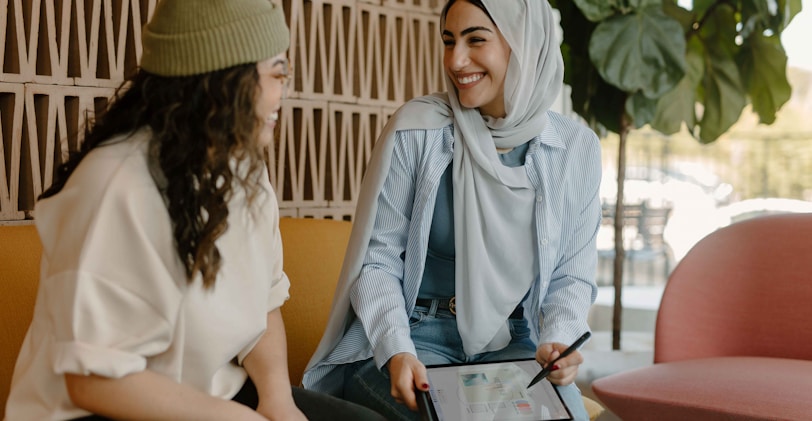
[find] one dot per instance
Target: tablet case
(427, 412)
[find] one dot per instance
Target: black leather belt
(450, 305)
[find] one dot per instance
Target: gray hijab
(493, 204)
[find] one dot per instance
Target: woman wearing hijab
(162, 281)
(478, 216)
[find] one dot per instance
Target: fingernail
(555, 367)
(425, 386)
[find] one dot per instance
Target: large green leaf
(577, 29)
(606, 106)
(678, 105)
(641, 109)
(763, 64)
(642, 4)
(700, 7)
(723, 95)
(597, 10)
(719, 29)
(789, 8)
(684, 17)
(642, 51)
(772, 15)
(598, 103)
(756, 16)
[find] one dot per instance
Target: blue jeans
(437, 341)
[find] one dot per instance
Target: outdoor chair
(644, 241)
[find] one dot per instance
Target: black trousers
(316, 406)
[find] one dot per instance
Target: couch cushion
(20, 252)
(744, 388)
(313, 251)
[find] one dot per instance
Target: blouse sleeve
(572, 288)
(105, 329)
(112, 282)
(280, 284)
(378, 296)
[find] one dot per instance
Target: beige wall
(354, 63)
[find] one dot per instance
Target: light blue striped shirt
(563, 163)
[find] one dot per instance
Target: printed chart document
(495, 391)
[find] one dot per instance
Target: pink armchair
(733, 338)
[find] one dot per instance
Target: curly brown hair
(199, 125)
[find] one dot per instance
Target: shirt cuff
(85, 359)
(391, 345)
(279, 293)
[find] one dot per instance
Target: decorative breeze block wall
(354, 63)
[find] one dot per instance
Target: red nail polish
(555, 367)
(425, 386)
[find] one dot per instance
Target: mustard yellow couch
(20, 252)
(313, 252)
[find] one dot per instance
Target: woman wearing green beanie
(161, 278)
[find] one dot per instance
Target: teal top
(438, 276)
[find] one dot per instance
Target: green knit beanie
(189, 37)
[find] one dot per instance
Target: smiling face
(273, 78)
(476, 58)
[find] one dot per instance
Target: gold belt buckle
(452, 305)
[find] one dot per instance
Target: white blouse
(113, 297)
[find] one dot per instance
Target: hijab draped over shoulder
(493, 205)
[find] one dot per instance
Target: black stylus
(545, 372)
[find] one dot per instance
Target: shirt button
(544, 241)
(538, 199)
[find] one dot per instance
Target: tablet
(494, 391)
